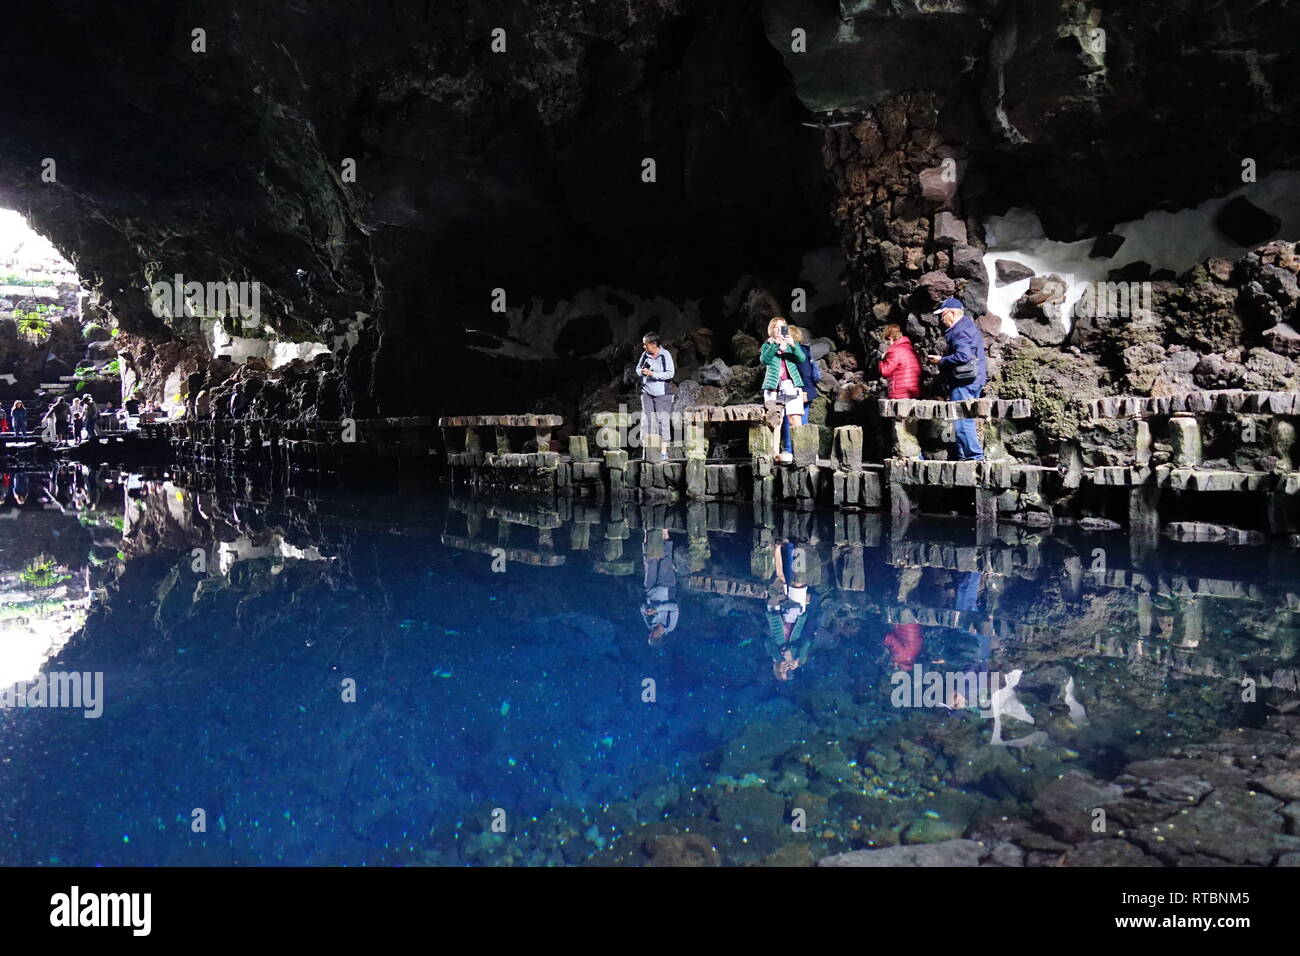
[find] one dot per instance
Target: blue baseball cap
(950, 304)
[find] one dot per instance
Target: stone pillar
(654, 543)
(1144, 510)
(577, 447)
(1070, 463)
(994, 439)
(695, 477)
(1282, 435)
(850, 568)
(1185, 440)
(1142, 443)
(503, 441)
(696, 446)
(806, 441)
(762, 558)
(847, 448)
(900, 502)
(1073, 572)
(1278, 507)
(1193, 622)
(907, 439)
(1145, 615)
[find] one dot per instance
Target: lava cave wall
(475, 170)
(521, 170)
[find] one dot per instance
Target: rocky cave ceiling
(521, 170)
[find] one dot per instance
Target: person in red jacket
(899, 364)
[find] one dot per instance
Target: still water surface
(347, 676)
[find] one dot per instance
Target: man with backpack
(963, 369)
(655, 368)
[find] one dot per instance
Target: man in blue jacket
(963, 369)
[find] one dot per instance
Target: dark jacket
(810, 373)
(902, 369)
(965, 342)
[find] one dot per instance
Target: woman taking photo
(782, 383)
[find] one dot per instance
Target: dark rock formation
(1245, 223)
(1106, 246)
(1010, 271)
(474, 170)
(1039, 313)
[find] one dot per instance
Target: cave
(655, 433)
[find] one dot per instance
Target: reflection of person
(789, 624)
(660, 611)
(904, 644)
(787, 621)
(967, 599)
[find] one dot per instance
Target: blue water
(491, 690)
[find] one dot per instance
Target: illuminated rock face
(380, 174)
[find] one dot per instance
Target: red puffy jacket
(903, 369)
(904, 643)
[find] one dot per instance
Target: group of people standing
(76, 419)
(791, 376)
(963, 368)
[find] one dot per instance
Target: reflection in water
(353, 676)
(56, 528)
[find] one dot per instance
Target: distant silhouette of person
(90, 416)
(18, 414)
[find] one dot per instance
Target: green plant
(41, 572)
(13, 279)
(33, 325)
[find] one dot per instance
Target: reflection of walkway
(1019, 576)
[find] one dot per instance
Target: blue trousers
(787, 442)
(968, 440)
